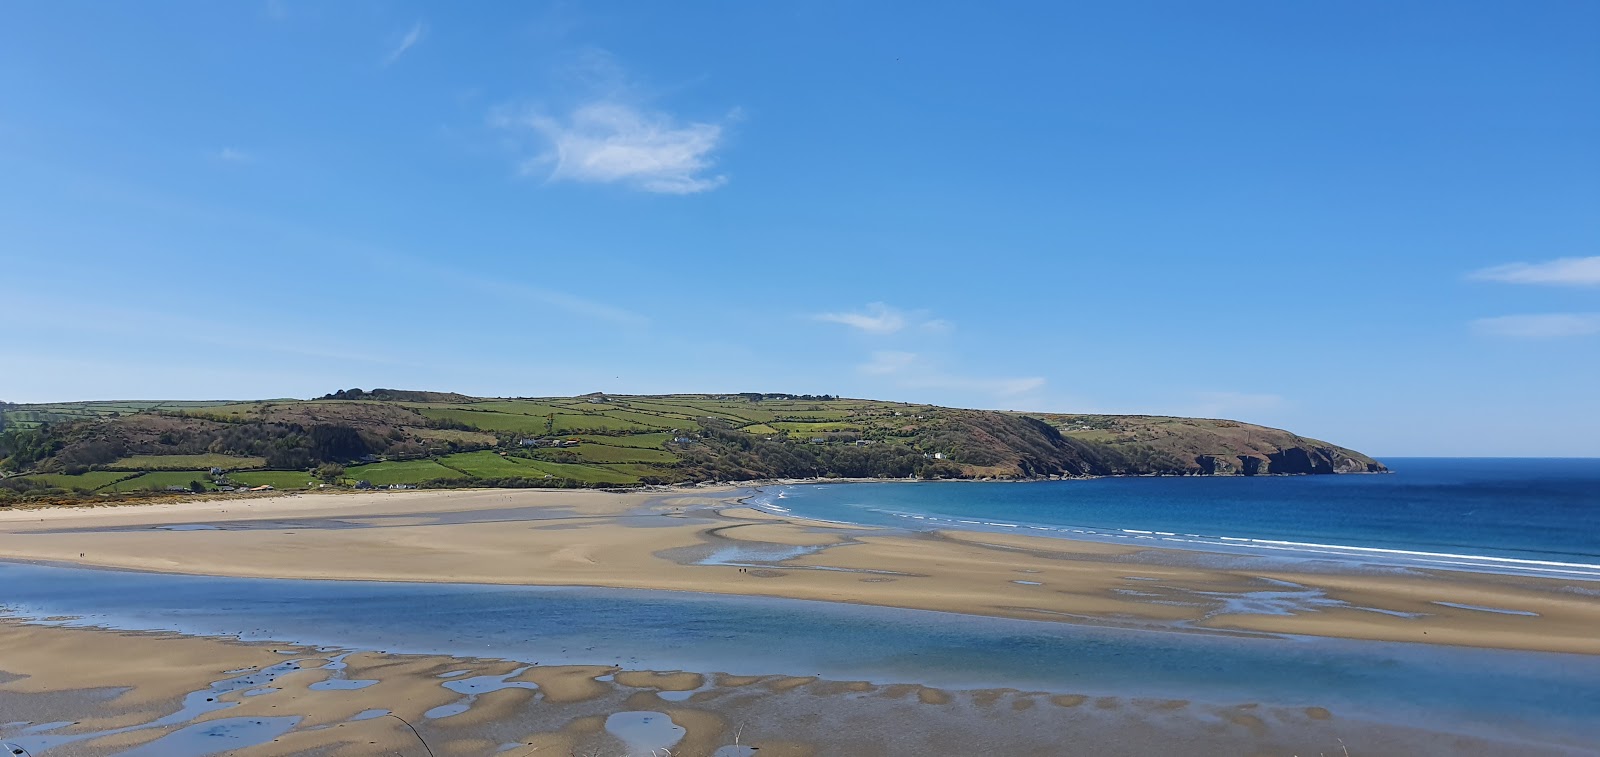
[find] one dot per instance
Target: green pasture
(656, 420)
(91, 480)
(570, 424)
(803, 428)
(590, 474)
(491, 465)
(277, 479)
(645, 441)
(400, 472)
(486, 465)
(488, 421)
(515, 407)
(160, 480)
(602, 453)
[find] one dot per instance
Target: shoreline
(1248, 546)
(670, 541)
(173, 497)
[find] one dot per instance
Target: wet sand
(262, 699)
(703, 541)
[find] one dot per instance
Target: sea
(1507, 515)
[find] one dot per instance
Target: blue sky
(1375, 223)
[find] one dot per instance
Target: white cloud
(875, 318)
(1559, 272)
(608, 142)
(911, 371)
(234, 155)
(411, 38)
(1542, 326)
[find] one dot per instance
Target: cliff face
(1207, 447)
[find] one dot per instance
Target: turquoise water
(1545, 697)
(1513, 515)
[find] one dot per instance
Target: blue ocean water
(1519, 515)
(1550, 698)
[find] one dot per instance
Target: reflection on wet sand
(531, 709)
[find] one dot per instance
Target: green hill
(435, 439)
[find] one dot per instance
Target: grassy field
(487, 465)
(601, 453)
(161, 480)
(592, 474)
(187, 462)
(643, 441)
(570, 424)
(657, 420)
(489, 421)
(808, 428)
(514, 407)
(666, 410)
(277, 479)
(491, 465)
(400, 472)
(91, 480)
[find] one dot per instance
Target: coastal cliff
(1164, 444)
(434, 439)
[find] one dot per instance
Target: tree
(335, 443)
(330, 472)
(196, 487)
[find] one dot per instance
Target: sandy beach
(704, 541)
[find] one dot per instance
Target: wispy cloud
(882, 319)
(505, 286)
(412, 36)
(875, 318)
(1226, 404)
(884, 363)
(1003, 388)
(1540, 326)
(912, 371)
(609, 142)
(1559, 272)
(178, 328)
(234, 155)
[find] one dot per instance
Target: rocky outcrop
(1290, 461)
(1215, 465)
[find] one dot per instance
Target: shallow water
(192, 741)
(215, 736)
(1497, 691)
(645, 733)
